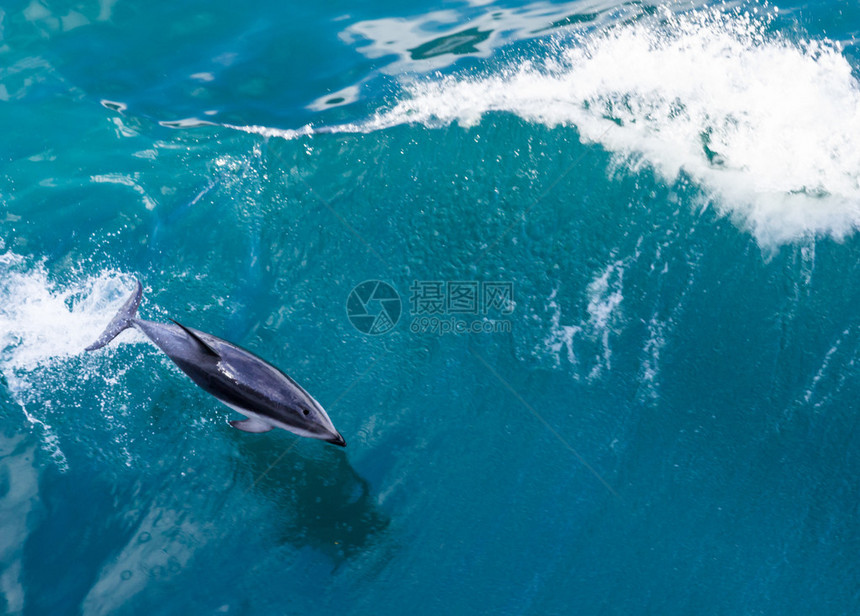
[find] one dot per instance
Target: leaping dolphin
(241, 380)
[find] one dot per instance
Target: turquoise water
(660, 418)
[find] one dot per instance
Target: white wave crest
(765, 125)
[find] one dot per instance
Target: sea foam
(44, 323)
(766, 125)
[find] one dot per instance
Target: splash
(42, 324)
(763, 124)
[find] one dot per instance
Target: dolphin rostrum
(241, 380)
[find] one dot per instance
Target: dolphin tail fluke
(122, 320)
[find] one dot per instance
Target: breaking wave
(765, 125)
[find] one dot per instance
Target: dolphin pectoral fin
(251, 424)
(207, 350)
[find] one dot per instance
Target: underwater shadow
(326, 505)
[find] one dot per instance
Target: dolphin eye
(306, 412)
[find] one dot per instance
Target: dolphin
(238, 378)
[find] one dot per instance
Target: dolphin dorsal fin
(205, 347)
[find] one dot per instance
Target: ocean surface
(607, 359)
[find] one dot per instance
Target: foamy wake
(765, 125)
(42, 324)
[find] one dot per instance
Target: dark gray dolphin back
(238, 378)
(122, 320)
